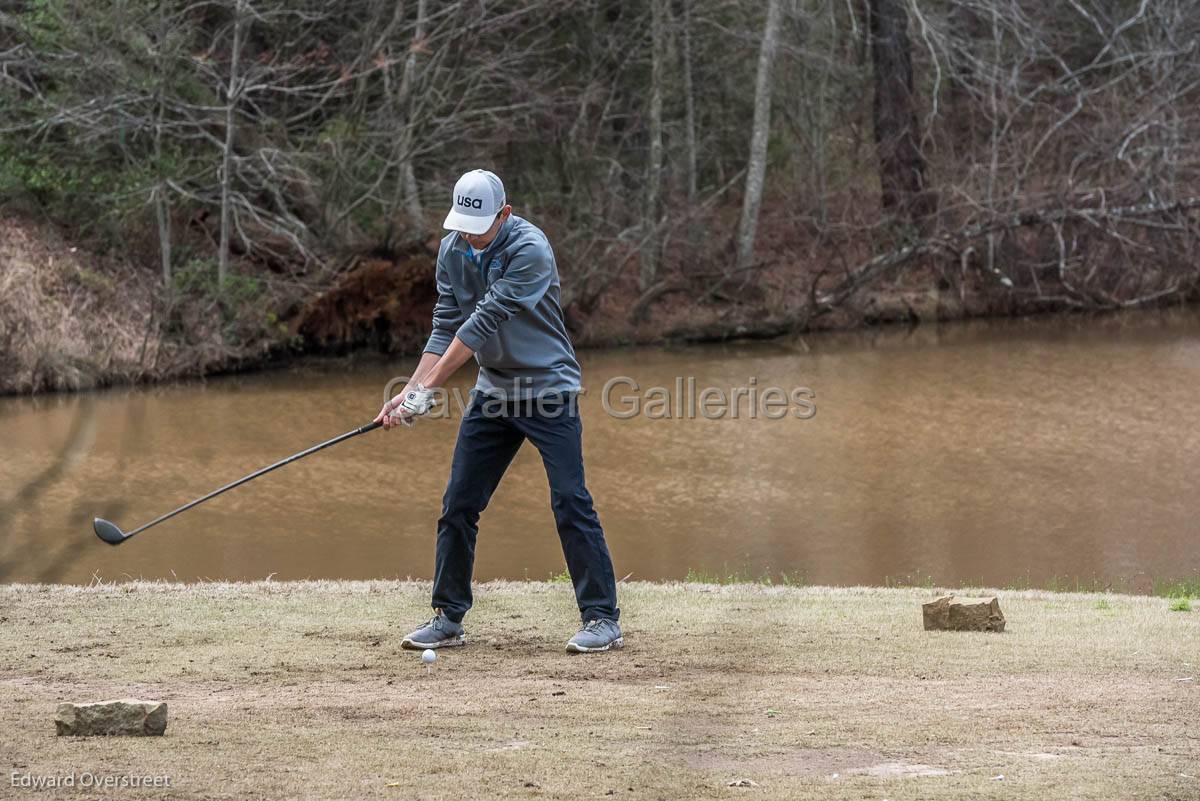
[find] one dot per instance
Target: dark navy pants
(488, 439)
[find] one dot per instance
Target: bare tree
(689, 101)
(233, 92)
(408, 179)
(654, 161)
(159, 196)
(901, 164)
(757, 165)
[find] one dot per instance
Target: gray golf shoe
(439, 632)
(596, 635)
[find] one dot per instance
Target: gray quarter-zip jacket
(505, 307)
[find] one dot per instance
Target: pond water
(1049, 451)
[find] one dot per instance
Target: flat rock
(126, 716)
(963, 614)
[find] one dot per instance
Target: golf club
(112, 534)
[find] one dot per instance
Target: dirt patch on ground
(796, 762)
(300, 690)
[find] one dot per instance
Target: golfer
(498, 301)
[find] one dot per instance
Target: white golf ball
(429, 656)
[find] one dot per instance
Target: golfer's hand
(389, 415)
(413, 402)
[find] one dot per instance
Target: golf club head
(109, 532)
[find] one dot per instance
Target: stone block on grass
(963, 614)
(127, 716)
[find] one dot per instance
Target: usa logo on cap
(478, 197)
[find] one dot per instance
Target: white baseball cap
(477, 199)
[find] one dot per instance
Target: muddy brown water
(1038, 452)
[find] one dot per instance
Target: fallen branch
(957, 242)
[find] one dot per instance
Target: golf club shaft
(256, 474)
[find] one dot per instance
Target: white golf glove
(417, 401)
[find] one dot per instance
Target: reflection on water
(1000, 452)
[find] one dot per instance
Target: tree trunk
(408, 189)
(162, 211)
(689, 104)
(650, 244)
(901, 163)
(163, 215)
(757, 166)
(231, 99)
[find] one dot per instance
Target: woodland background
(196, 187)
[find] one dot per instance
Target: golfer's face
(481, 241)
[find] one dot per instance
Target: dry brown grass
(300, 690)
(60, 322)
(70, 320)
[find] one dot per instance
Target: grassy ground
(282, 690)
